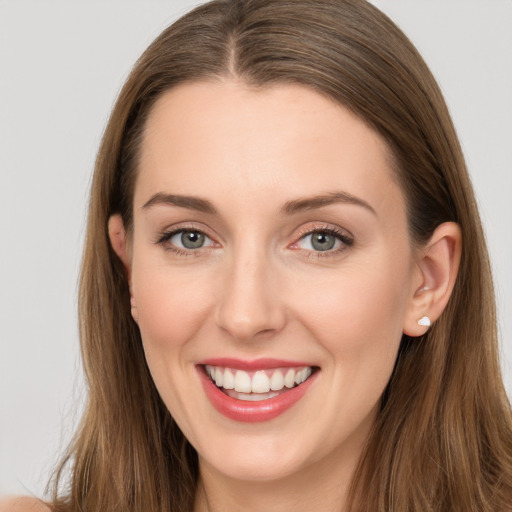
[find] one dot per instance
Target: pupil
(323, 241)
(192, 239)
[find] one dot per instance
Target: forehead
(225, 138)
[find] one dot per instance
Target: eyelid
(164, 236)
(346, 238)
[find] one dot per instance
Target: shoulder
(23, 504)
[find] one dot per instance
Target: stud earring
(424, 321)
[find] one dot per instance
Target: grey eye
(322, 241)
(192, 239)
(189, 239)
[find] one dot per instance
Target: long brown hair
(442, 440)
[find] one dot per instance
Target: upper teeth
(261, 381)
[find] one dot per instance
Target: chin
(257, 466)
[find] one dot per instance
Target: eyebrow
(311, 203)
(190, 202)
(289, 208)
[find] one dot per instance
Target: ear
(117, 235)
(434, 278)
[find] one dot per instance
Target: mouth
(245, 392)
(257, 385)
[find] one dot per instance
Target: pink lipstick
(255, 391)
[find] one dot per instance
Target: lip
(253, 412)
(256, 364)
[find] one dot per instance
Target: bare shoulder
(23, 504)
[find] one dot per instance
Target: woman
(285, 295)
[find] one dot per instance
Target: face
(269, 254)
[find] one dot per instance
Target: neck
(321, 486)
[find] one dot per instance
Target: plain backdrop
(62, 64)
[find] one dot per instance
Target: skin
(258, 288)
(22, 504)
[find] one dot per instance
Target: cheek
(364, 302)
(357, 316)
(171, 306)
(358, 322)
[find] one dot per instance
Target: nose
(250, 304)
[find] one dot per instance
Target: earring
(424, 321)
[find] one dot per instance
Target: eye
(188, 239)
(324, 240)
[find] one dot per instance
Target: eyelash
(346, 240)
(164, 238)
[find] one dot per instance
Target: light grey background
(61, 66)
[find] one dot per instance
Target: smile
(258, 385)
(247, 392)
